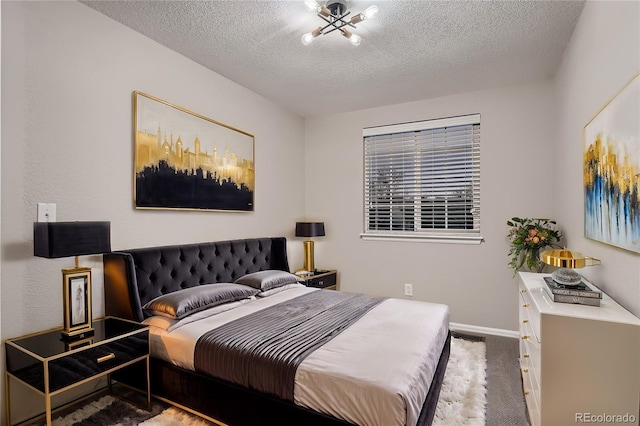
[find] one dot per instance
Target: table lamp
(309, 229)
(567, 261)
(65, 239)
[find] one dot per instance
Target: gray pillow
(182, 303)
(266, 280)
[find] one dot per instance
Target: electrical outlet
(46, 212)
(408, 289)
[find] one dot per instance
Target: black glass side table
(321, 278)
(49, 365)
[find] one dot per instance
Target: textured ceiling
(411, 50)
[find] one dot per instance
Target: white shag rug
(462, 396)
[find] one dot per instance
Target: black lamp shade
(66, 239)
(310, 229)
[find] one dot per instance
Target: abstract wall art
(186, 161)
(612, 170)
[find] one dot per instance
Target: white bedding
(375, 373)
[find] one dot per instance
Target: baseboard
(483, 330)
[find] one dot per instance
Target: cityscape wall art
(612, 171)
(187, 161)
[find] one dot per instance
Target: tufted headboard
(134, 277)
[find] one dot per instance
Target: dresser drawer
(532, 398)
(532, 353)
(530, 366)
(528, 313)
(531, 389)
(96, 359)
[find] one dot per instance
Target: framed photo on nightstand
(77, 302)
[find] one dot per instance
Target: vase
(533, 261)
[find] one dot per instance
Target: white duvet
(375, 373)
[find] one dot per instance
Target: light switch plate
(46, 212)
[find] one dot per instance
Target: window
(422, 180)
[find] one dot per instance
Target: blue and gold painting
(612, 171)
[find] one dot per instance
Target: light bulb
(370, 12)
(308, 37)
(312, 5)
(353, 38)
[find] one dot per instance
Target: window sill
(441, 239)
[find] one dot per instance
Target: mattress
(377, 372)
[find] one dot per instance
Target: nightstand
(48, 365)
(324, 279)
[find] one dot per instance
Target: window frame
(456, 236)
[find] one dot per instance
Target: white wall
(68, 77)
(68, 74)
(516, 175)
(603, 55)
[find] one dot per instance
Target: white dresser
(579, 364)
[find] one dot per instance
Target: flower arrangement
(527, 237)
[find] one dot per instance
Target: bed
(373, 361)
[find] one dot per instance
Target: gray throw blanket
(263, 350)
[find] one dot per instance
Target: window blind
(422, 180)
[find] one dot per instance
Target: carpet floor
(505, 400)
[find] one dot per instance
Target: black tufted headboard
(134, 277)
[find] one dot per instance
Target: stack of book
(582, 293)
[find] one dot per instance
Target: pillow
(169, 324)
(182, 303)
(279, 289)
(266, 280)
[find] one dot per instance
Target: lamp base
(566, 276)
(308, 256)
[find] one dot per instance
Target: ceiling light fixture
(334, 13)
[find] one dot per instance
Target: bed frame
(134, 277)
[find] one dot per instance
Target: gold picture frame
(186, 161)
(77, 303)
